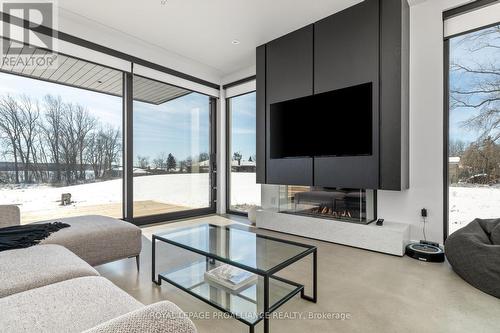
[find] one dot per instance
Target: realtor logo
(24, 45)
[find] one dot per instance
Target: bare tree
(477, 85)
(237, 157)
(10, 129)
(483, 158)
(112, 148)
(28, 116)
(41, 172)
(456, 148)
(142, 161)
(160, 162)
(76, 127)
(51, 129)
(66, 139)
(68, 143)
(104, 150)
(186, 165)
(84, 123)
(203, 157)
(95, 156)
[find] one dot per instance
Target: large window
(61, 140)
(243, 190)
(61, 149)
(172, 147)
(474, 127)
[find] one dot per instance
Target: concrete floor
(381, 293)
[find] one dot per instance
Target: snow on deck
(185, 190)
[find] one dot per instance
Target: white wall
(426, 127)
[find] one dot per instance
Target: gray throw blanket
(21, 236)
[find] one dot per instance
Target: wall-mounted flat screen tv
(334, 123)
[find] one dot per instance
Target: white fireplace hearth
(390, 238)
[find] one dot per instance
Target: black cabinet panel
(351, 171)
(346, 53)
(261, 115)
(346, 48)
(290, 171)
(289, 66)
(289, 75)
(348, 171)
(394, 67)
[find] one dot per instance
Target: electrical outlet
(273, 201)
(423, 212)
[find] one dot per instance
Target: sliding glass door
(474, 127)
(61, 138)
(243, 190)
(172, 173)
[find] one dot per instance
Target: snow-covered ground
(245, 191)
(192, 191)
(468, 203)
(188, 190)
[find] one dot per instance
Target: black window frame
(173, 216)
(446, 98)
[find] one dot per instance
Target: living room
(234, 166)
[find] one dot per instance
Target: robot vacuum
(425, 251)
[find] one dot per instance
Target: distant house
(117, 171)
(203, 166)
(140, 172)
(453, 168)
(242, 166)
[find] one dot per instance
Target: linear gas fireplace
(350, 205)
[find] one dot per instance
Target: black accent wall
(364, 43)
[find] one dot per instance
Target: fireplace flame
(325, 210)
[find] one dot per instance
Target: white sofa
(47, 288)
(88, 304)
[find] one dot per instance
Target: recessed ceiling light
(235, 42)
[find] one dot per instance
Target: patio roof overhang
(78, 73)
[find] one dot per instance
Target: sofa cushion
(98, 239)
(69, 306)
(37, 266)
(163, 317)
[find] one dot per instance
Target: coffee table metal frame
(266, 274)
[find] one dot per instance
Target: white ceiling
(202, 30)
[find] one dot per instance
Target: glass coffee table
(262, 255)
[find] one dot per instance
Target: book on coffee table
(230, 277)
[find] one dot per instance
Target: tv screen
(334, 123)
